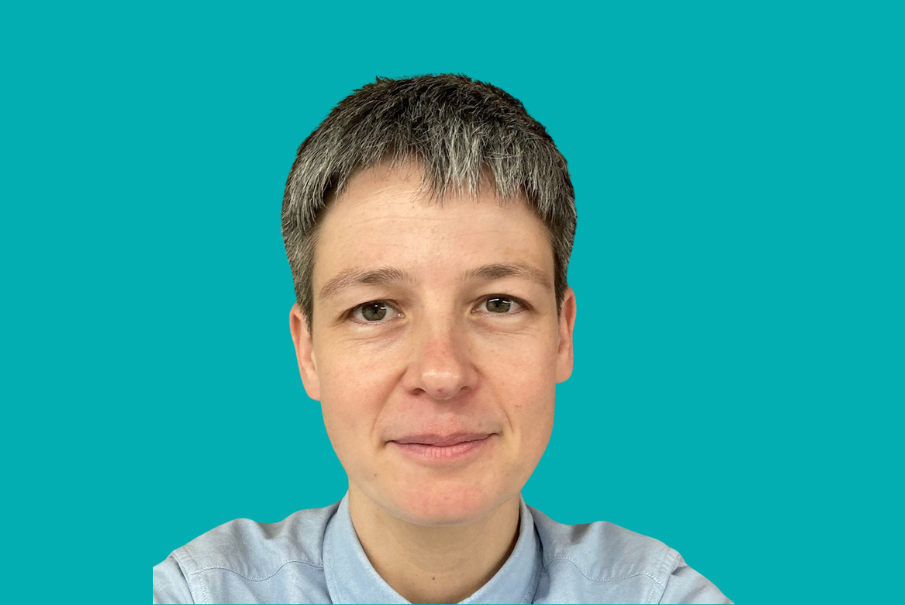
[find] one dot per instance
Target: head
(428, 224)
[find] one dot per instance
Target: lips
(454, 449)
(437, 440)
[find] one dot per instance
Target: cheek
(522, 361)
(352, 396)
(524, 381)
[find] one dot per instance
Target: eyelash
(391, 305)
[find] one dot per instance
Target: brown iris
(374, 311)
(498, 305)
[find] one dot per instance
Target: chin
(444, 504)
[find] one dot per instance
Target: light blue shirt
(314, 556)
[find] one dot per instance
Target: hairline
(429, 193)
(454, 150)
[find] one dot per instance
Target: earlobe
(304, 352)
(565, 354)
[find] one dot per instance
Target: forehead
(385, 218)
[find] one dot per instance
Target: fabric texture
(314, 556)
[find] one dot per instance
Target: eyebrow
(386, 275)
(354, 277)
(501, 270)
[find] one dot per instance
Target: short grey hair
(458, 129)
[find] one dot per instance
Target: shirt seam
(335, 596)
(183, 558)
(257, 579)
(537, 569)
(185, 575)
(669, 562)
(601, 580)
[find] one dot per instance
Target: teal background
(738, 269)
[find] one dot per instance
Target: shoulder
(601, 561)
(604, 551)
(253, 549)
(233, 561)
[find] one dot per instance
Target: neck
(427, 564)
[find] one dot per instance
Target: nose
(441, 364)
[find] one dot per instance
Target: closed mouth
(437, 440)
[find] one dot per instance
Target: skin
(439, 359)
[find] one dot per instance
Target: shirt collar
(352, 579)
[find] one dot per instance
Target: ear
(566, 325)
(304, 352)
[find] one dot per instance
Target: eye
(502, 305)
(375, 311)
(498, 305)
